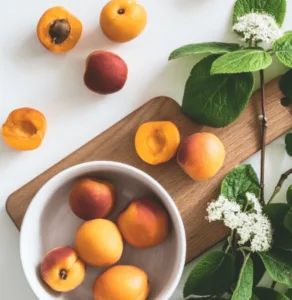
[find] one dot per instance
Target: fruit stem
(63, 274)
(263, 137)
(121, 11)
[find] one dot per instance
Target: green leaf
(286, 84)
(212, 48)
(238, 182)
(254, 297)
(283, 49)
(244, 285)
(288, 220)
(259, 268)
(242, 61)
(212, 275)
(215, 100)
(269, 294)
(289, 294)
(288, 142)
(278, 264)
(289, 192)
(275, 8)
(283, 238)
(276, 212)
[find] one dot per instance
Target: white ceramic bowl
(49, 223)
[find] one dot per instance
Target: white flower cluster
(256, 27)
(251, 226)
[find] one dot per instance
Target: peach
(121, 283)
(144, 223)
(201, 155)
(99, 243)
(92, 199)
(105, 73)
(62, 270)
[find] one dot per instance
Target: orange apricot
(201, 155)
(144, 223)
(58, 30)
(24, 129)
(99, 243)
(62, 270)
(122, 283)
(157, 142)
(123, 20)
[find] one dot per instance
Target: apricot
(201, 155)
(105, 73)
(99, 243)
(157, 142)
(24, 129)
(92, 199)
(123, 20)
(144, 223)
(121, 283)
(62, 270)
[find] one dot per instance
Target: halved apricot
(157, 142)
(24, 129)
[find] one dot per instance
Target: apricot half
(201, 155)
(92, 199)
(24, 129)
(121, 283)
(123, 20)
(99, 243)
(62, 270)
(157, 142)
(144, 223)
(105, 73)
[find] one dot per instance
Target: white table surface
(34, 77)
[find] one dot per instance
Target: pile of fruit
(144, 223)
(105, 73)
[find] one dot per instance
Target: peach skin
(105, 72)
(62, 270)
(99, 243)
(144, 223)
(201, 155)
(121, 283)
(92, 198)
(24, 129)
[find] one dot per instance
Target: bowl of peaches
(102, 231)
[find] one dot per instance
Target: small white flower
(258, 27)
(251, 226)
(217, 209)
(253, 200)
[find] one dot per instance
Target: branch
(282, 179)
(263, 137)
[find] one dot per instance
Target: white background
(31, 76)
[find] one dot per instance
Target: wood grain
(241, 140)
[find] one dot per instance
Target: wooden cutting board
(241, 140)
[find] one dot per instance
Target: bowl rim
(171, 206)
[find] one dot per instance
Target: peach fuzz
(122, 283)
(144, 223)
(201, 155)
(105, 73)
(99, 243)
(62, 270)
(24, 129)
(92, 198)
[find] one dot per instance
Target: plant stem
(273, 284)
(282, 179)
(263, 137)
